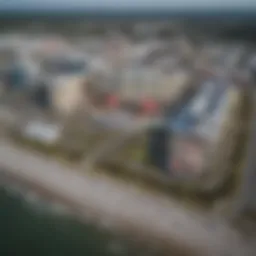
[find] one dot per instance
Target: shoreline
(122, 227)
(124, 210)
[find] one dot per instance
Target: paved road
(124, 204)
(246, 196)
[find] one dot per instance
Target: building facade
(144, 83)
(194, 130)
(68, 94)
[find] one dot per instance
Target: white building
(43, 132)
(67, 94)
(141, 83)
(64, 78)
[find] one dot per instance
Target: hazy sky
(123, 4)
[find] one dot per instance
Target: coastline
(121, 227)
(141, 216)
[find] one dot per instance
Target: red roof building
(150, 107)
(113, 101)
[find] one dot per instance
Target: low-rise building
(67, 94)
(42, 132)
(64, 81)
(144, 83)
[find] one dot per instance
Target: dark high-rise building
(41, 96)
(17, 77)
(158, 139)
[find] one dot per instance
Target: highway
(124, 205)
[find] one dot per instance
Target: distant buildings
(141, 76)
(136, 74)
(153, 72)
(143, 83)
(220, 58)
(145, 90)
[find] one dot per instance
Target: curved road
(124, 204)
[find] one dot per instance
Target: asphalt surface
(126, 205)
(246, 196)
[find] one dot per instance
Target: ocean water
(26, 230)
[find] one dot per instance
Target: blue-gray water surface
(26, 231)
